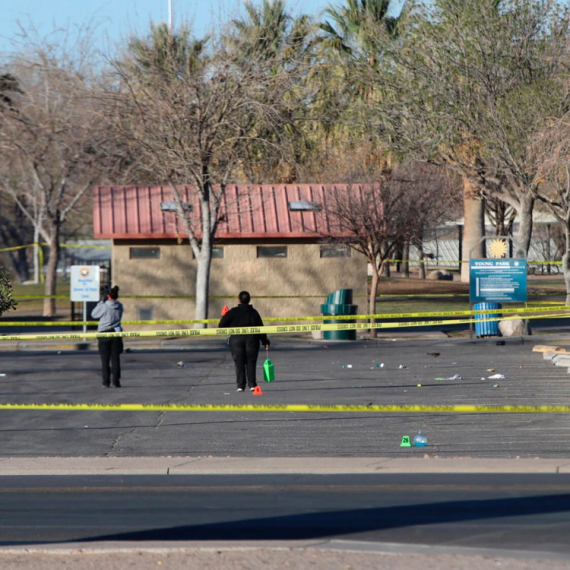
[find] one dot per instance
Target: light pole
(170, 16)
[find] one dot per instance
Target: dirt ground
(264, 558)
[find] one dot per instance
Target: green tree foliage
(269, 33)
(467, 85)
(347, 28)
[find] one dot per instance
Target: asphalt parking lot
(306, 373)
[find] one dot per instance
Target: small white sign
(85, 283)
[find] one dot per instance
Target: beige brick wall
(302, 272)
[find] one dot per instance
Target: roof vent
(173, 207)
(304, 206)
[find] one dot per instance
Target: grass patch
(36, 305)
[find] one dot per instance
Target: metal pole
(170, 16)
(84, 319)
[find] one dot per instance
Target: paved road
(306, 373)
(526, 513)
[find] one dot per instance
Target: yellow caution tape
(19, 297)
(321, 296)
(520, 311)
(308, 408)
(444, 262)
(16, 247)
(428, 260)
(281, 329)
(84, 246)
(60, 245)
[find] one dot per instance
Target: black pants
(244, 352)
(110, 350)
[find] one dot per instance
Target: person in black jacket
(244, 347)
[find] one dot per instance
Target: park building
(275, 241)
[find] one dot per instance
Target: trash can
(487, 328)
(339, 303)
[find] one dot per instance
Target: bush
(7, 303)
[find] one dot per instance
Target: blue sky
(115, 19)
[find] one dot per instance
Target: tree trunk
(36, 255)
(19, 260)
(406, 258)
(522, 243)
(51, 273)
(422, 267)
(474, 228)
(204, 261)
(203, 286)
(566, 260)
(373, 295)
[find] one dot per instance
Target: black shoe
(117, 385)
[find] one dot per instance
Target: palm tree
(271, 30)
(269, 33)
(347, 28)
(172, 52)
(264, 28)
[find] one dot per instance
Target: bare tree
(190, 110)
(377, 218)
(551, 153)
(16, 233)
(49, 152)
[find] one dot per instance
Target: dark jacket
(244, 316)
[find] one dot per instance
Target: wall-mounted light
(173, 206)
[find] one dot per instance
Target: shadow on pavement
(346, 522)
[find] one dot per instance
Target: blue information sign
(497, 280)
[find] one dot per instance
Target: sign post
(85, 286)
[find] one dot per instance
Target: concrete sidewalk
(271, 465)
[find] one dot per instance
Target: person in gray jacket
(110, 312)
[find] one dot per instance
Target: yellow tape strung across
(308, 408)
(16, 247)
(522, 311)
(321, 296)
(60, 245)
(444, 262)
(281, 329)
(441, 262)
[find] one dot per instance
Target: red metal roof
(247, 211)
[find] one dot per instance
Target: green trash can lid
(338, 309)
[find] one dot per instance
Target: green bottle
(268, 371)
